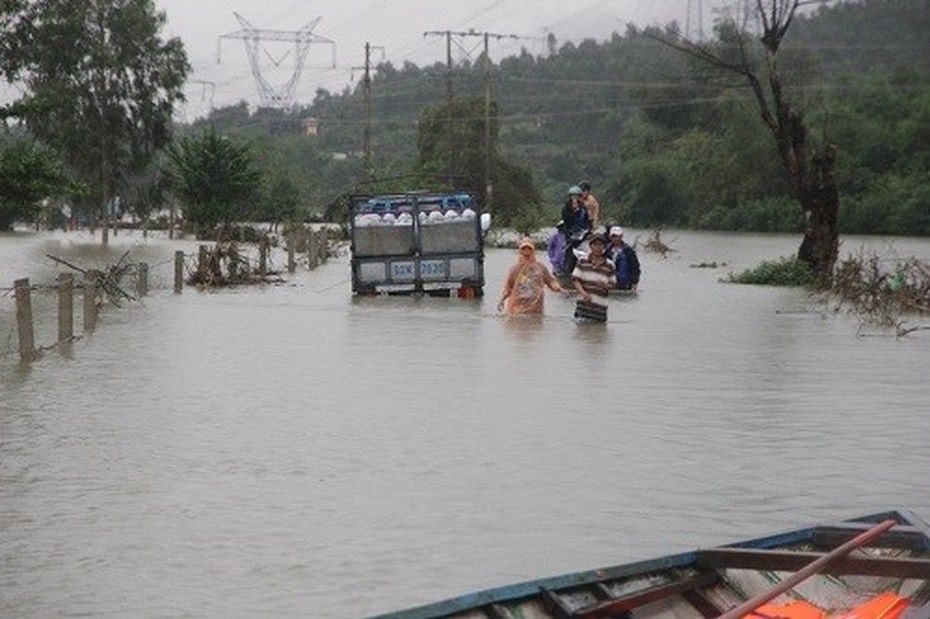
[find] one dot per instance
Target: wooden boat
(873, 567)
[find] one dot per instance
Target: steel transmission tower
(694, 23)
(283, 95)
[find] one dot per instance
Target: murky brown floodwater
(290, 451)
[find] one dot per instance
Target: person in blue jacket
(625, 260)
(577, 225)
(575, 215)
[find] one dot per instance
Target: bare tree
(811, 170)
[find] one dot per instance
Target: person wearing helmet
(590, 203)
(574, 214)
(526, 283)
(577, 225)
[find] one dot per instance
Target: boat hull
(708, 583)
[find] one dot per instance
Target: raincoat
(556, 251)
(525, 285)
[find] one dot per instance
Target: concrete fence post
(313, 251)
(202, 259)
(178, 271)
(291, 247)
(27, 342)
(322, 245)
(143, 283)
(65, 307)
(90, 301)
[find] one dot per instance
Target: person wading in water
(593, 278)
(526, 283)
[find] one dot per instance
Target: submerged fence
(97, 287)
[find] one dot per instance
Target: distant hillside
(661, 143)
(864, 36)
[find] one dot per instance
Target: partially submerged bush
(883, 292)
(782, 272)
(655, 244)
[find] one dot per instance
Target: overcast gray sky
(222, 74)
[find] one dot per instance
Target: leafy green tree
(28, 175)
(282, 202)
(101, 84)
(146, 190)
(215, 178)
(657, 195)
(811, 169)
(451, 143)
(227, 119)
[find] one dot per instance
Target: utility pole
(366, 141)
(450, 133)
(488, 184)
(448, 34)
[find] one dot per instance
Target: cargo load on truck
(418, 242)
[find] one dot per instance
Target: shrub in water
(782, 272)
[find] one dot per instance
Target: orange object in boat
(884, 606)
(798, 609)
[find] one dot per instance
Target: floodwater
(291, 451)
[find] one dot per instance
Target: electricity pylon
(694, 23)
(283, 95)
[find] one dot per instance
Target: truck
(418, 242)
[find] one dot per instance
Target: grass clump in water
(782, 272)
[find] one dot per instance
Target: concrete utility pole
(450, 134)
(367, 88)
(489, 186)
(448, 34)
(281, 97)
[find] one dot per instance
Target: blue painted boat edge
(901, 516)
(910, 518)
(530, 588)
